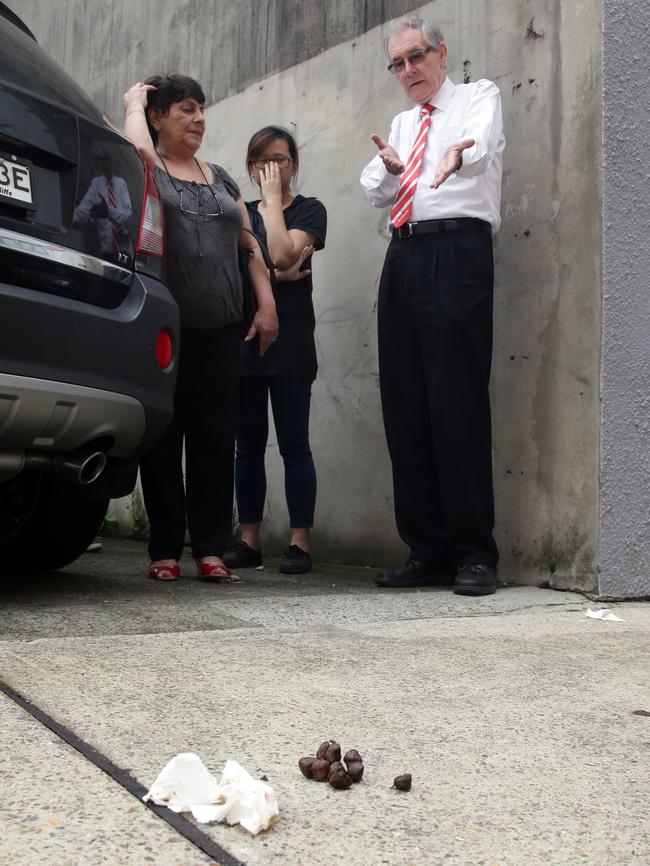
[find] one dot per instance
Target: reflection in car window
(106, 209)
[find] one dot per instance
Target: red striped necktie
(403, 206)
(112, 202)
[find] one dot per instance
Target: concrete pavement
(514, 713)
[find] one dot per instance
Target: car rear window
(110, 175)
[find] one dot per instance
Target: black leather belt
(427, 227)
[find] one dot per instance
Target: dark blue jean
(290, 400)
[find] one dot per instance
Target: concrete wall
(226, 45)
(625, 495)
(546, 58)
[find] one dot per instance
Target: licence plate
(15, 183)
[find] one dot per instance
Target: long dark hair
(261, 140)
(170, 88)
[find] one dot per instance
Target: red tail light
(151, 234)
(164, 349)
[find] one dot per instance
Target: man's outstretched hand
(451, 161)
(388, 155)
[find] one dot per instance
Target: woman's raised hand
(271, 185)
(135, 120)
(136, 96)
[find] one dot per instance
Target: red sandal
(215, 572)
(158, 571)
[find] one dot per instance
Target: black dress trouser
(435, 353)
(205, 416)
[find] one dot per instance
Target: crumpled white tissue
(186, 785)
(605, 614)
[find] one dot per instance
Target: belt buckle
(410, 225)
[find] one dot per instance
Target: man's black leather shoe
(476, 579)
(416, 573)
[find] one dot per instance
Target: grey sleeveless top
(202, 263)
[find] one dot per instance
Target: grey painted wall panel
(625, 433)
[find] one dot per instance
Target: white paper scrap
(186, 785)
(604, 614)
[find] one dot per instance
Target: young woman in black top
(293, 226)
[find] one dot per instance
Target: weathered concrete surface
(546, 58)
(625, 457)
(103, 592)
(57, 808)
(514, 714)
(226, 45)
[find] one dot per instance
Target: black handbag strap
(268, 261)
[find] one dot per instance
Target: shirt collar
(444, 96)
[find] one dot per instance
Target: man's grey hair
(432, 34)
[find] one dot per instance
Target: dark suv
(88, 330)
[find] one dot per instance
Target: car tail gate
(39, 152)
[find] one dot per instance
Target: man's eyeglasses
(198, 214)
(414, 59)
(263, 161)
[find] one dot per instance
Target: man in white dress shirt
(440, 171)
(106, 206)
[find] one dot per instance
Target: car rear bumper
(37, 414)
(72, 373)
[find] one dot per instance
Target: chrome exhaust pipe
(78, 467)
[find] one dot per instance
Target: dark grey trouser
(205, 415)
(435, 353)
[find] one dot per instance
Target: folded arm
(285, 245)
